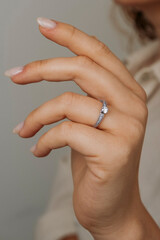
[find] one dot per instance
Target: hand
(105, 160)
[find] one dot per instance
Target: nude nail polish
(18, 127)
(46, 23)
(32, 149)
(13, 71)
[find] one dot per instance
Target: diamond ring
(104, 110)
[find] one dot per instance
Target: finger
(73, 106)
(82, 44)
(89, 76)
(82, 138)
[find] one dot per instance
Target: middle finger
(90, 77)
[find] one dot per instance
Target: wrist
(137, 225)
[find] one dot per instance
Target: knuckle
(65, 128)
(142, 110)
(39, 63)
(84, 61)
(101, 48)
(73, 32)
(38, 66)
(143, 94)
(67, 98)
(94, 37)
(136, 129)
(145, 112)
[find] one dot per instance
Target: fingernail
(32, 149)
(46, 23)
(13, 71)
(18, 127)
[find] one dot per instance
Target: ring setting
(104, 111)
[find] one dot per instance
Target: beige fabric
(59, 219)
(149, 173)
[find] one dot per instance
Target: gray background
(26, 181)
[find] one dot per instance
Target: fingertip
(13, 71)
(33, 148)
(18, 128)
(37, 153)
(46, 23)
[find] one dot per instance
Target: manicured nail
(32, 149)
(18, 127)
(13, 71)
(46, 23)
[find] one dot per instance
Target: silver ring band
(104, 111)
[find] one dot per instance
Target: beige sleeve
(59, 219)
(149, 172)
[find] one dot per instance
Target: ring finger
(75, 107)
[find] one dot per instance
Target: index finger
(81, 43)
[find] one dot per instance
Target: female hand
(105, 160)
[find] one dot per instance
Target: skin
(105, 160)
(151, 8)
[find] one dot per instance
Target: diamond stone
(104, 110)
